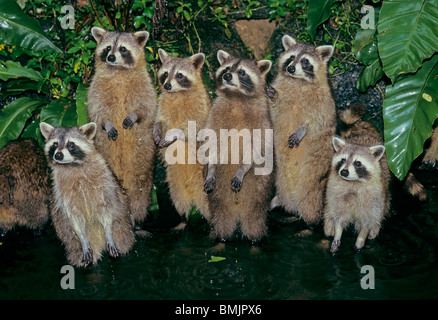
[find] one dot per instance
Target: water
(293, 263)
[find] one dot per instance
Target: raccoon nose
(228, 76)
(291, 69)
(111, 58)
(59, 156)
(344, 173)
(167, 86)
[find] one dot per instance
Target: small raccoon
(304, 119)
(184, 98)
(89, 210)
(24, 186)
(122, 101)
(241, 104)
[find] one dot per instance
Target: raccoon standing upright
(24, 186)
(89, 210)
(184, 98)
(122, 101)
(304, 120)
(239, 192)
(358, 183)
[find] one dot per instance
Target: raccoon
(122, 101)
(304, 119)
(184, 98)
(236, 194)
(24, 186)
(89, 210)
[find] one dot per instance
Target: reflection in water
(293, 263)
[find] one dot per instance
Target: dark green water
(293, 263)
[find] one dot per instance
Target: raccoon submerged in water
(24, 186)
(184, 98)
(304, 119)
(89, 210)
(122, 101)
(237, 195)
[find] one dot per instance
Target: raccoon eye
(357, 164)
(108, 48)
(179, 75)
(343, 160)
(242, 72)
(70, 145)
(305, 62)
(55, 145)
(122, 49)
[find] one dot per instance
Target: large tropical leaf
(60, 113)
(17, 29)
(407, 34)
(409, 110)
(81, 104)
(12, 70)
(14, 117)
(318, 12)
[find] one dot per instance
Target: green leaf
(14, 117)
(317, 13)
(20, 30)
(407, 34)
(60, 113)
(81, 104)
(12, 70)
(408, 116)
(186, 15)
(216, 259)
(370, 75)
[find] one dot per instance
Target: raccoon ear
(163, 55)
(325, 52)
(198, 60)
(88, 130)
(141, 37)
(288, 42)
(222, 56)
(264, 66)
(98, 34)
(338, 143)
(377, 151)
(46, 129)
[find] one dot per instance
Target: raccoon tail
(353, 114)
(415, 188)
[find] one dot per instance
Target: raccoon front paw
(293, 141)
(165, 143)
(270, 91)
(236, 184)
(157, 133)
(112, 250)
(209, 184)
(87, 256)
(128, 123)
(335, 246)
(112, 134)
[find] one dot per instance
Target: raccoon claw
(209, 184)
(157, 133)
(236, 184)
(335, 246)
(293, 141)
(112, 250)
(87, 256)
(270, 91)
(165, 143)
(113, 134)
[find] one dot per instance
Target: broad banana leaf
(81, 104)
(409, 110)
(60, 113)
(14, 117)
(17, 29)
(407, 34)
(12, 70)
(317, 13)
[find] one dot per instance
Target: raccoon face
(179, 74)
(241, 76)
(68, 145)
(355, 162)
(301, 61)
(119, 49)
